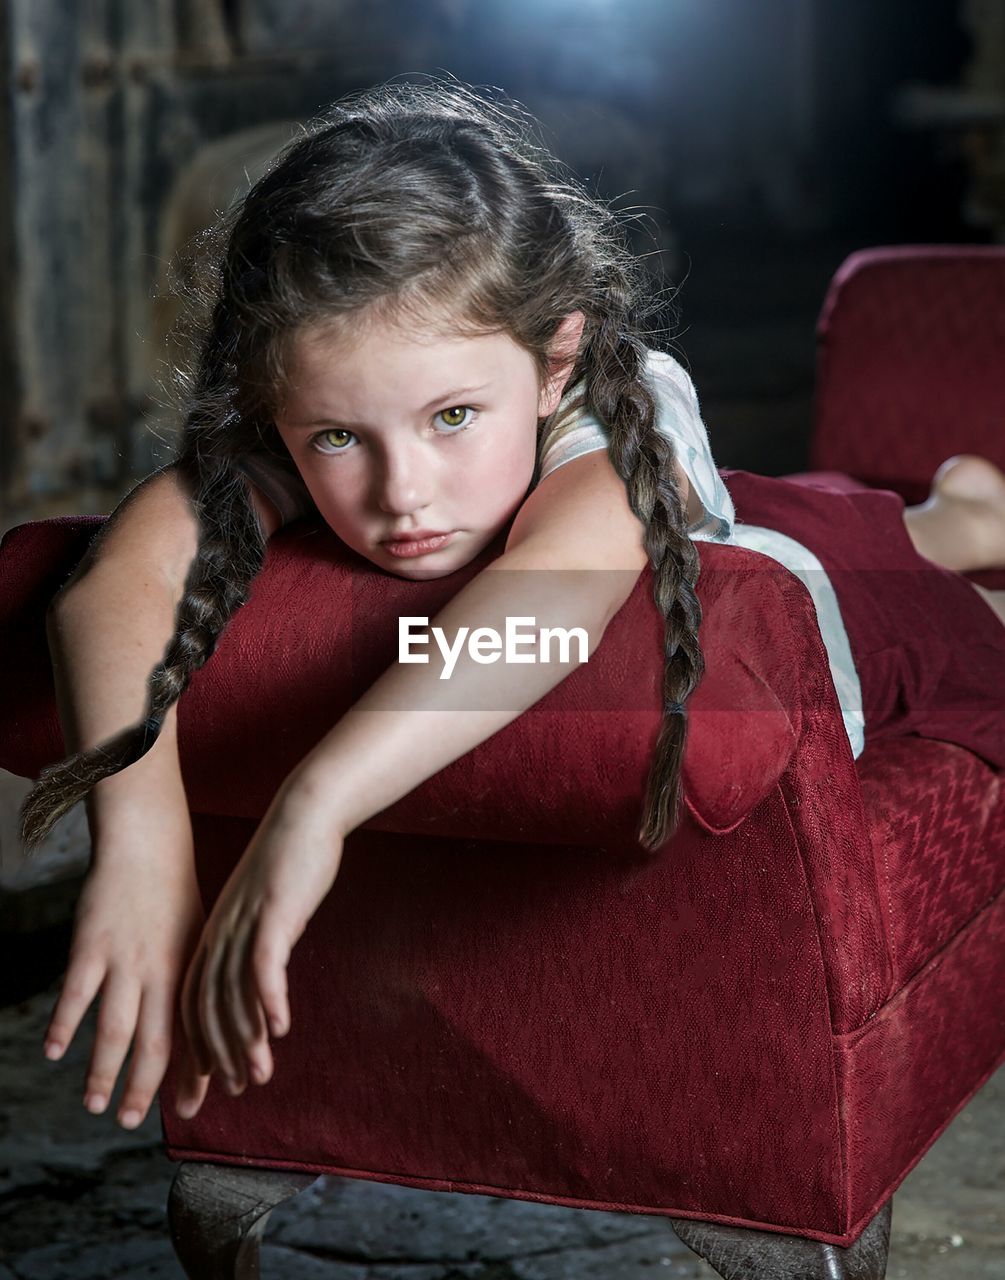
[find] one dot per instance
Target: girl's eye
(330, 431)
(461, 409)
(338, 437)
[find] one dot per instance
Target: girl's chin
(422, 574)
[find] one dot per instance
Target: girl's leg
(961, 525)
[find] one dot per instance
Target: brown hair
(409, 199)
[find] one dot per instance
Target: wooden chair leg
(739, 1253)
(217, 1216)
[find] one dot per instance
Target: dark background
(760, 141)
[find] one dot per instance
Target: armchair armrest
(321, 626)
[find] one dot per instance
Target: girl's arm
(140, 914)
(109, 626)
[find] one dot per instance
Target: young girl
(424, 333)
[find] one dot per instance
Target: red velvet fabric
(936, 819)
(695, 1074)
(910, 367)
(556, 1024)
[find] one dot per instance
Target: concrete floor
(81, 1197)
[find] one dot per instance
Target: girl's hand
(236, 980)
(138, 920)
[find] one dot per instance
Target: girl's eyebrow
(354, 426)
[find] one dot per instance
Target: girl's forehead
(381, 338)
(389, 360)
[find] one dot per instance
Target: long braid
(230, 553)
(644, 459)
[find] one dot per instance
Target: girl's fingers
(270, 959)
(189, 1006)
(192, 1085)
(222, 1050)
(83, 978)
(248, 1015)
(262, 1065)
(120, 1000)
(236, 1021)
(151, 1051)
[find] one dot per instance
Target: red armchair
(756, 1032)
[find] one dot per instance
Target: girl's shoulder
(678, 415)
(573, 430)
(663, 365)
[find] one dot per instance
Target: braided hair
(408, 199)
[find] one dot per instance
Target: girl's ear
(562, 352)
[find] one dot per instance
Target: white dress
(678, 417)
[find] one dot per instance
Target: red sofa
(758, 1031)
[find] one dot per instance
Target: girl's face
(413, 434)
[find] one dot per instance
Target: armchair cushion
(936, 818)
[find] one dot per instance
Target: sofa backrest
(910, 365)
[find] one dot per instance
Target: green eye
(459, 409)
(336, 431)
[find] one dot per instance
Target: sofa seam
(831, 1056)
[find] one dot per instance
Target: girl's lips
(420, 547)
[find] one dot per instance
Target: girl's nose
(402, 485)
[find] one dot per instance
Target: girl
(424, 333)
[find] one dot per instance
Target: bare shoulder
(579, 516)
(587, 498)
(155, 528)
